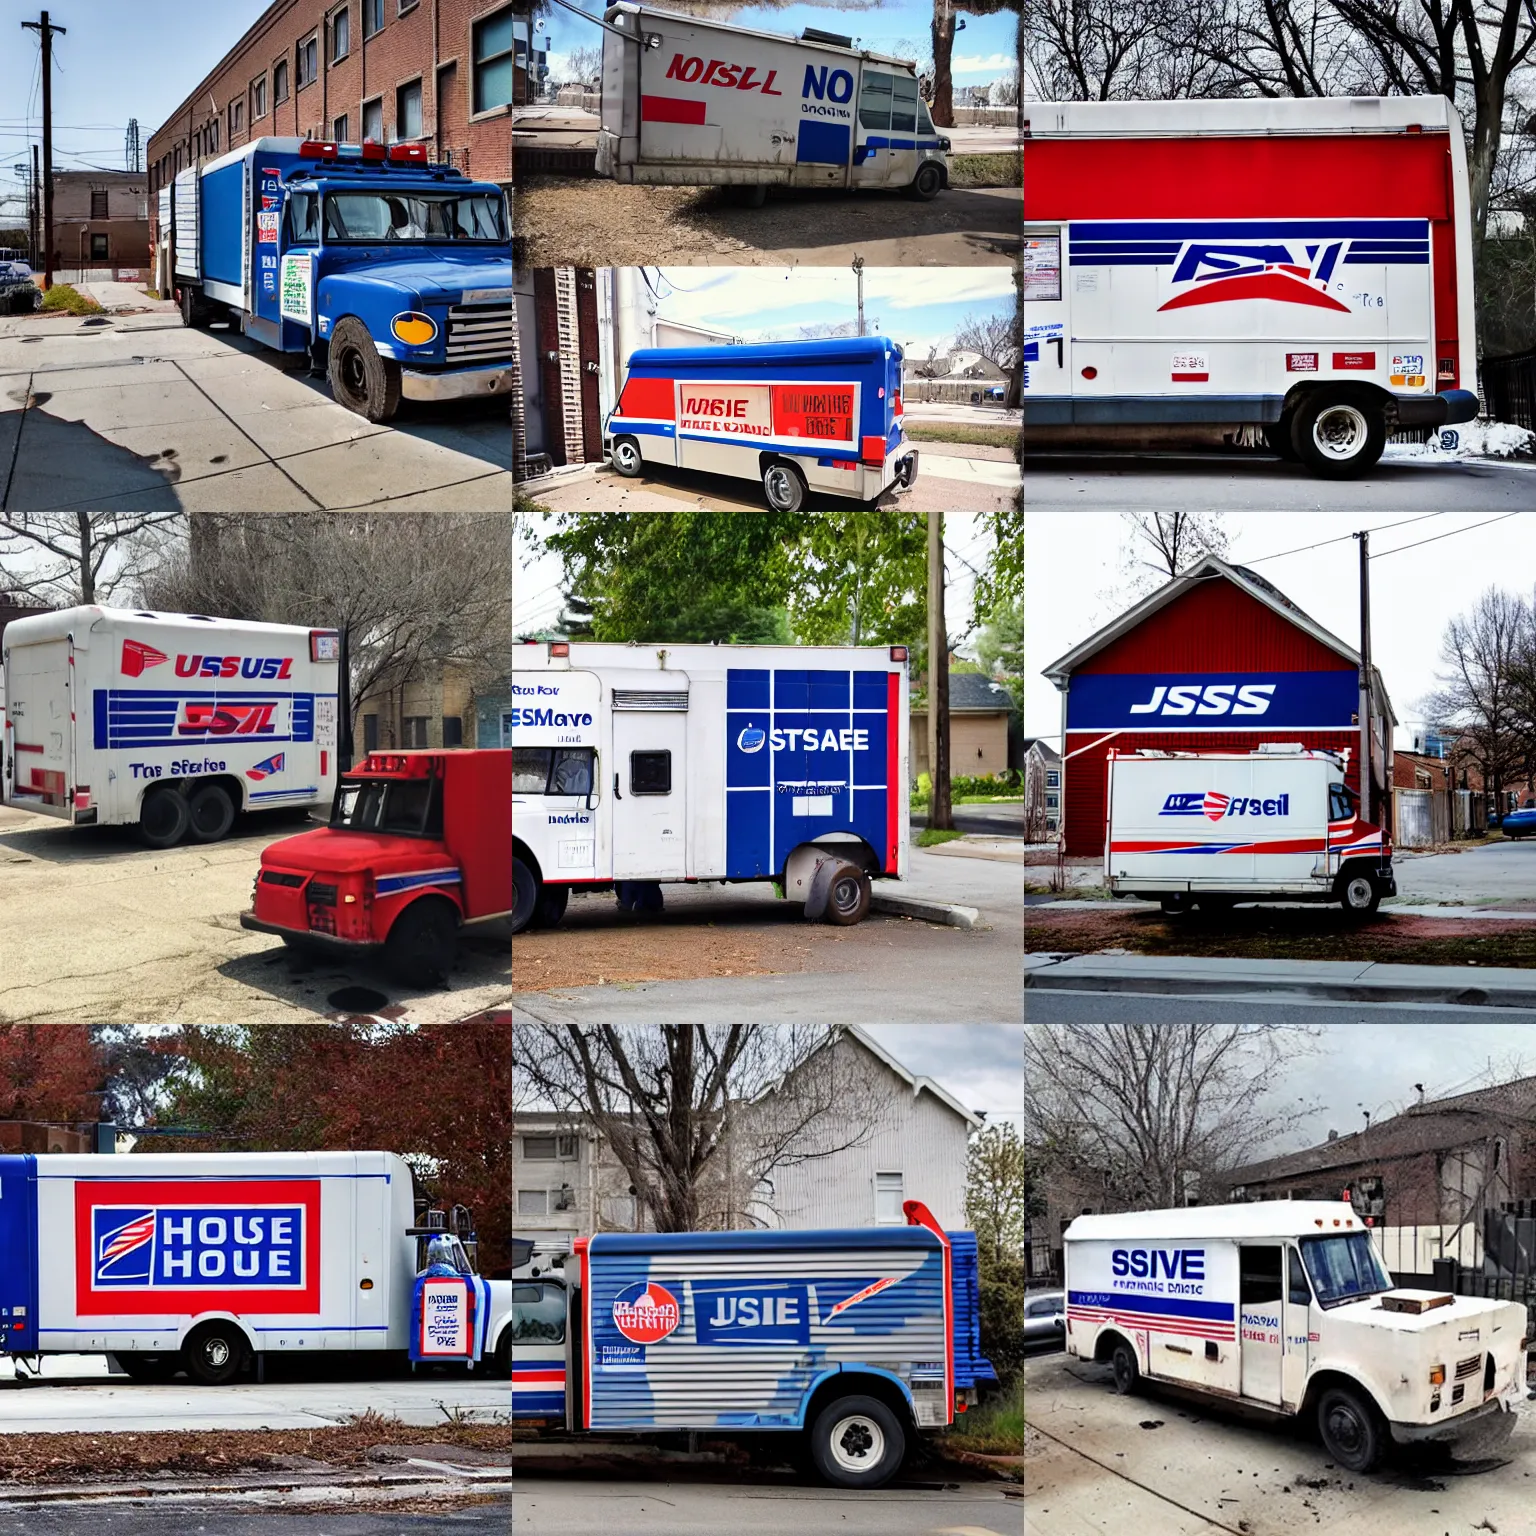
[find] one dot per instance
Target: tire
(1359, 894)
(149, 1368)
(194, 309)
(627, 458)
(857, 1442)
(1126, 1368)
(848, 897)
(504, 1356)
(163, 817)
(928, 182)
(525, 895)
(553, 900)
(1177, 905)
(421, 945)
(749, 196)
(215, 1354)
(361, 380)
(210, 813)
(1339, 433)
(1351, 1429)
(783, 486)
(1277, 434)
(1216, 906)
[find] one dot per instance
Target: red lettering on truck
(740, 77)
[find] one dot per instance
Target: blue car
(1520, 823)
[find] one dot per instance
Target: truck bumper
(469, 384)
(1488, 1425)
(1445, 409)
(328, 942)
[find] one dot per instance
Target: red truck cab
(419, 844)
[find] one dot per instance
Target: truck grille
(480, 333)
(1468, 1367)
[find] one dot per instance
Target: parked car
(1045, 1319)
(1521, 823)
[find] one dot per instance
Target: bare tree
(697, 1114)
(66, 558)
(995, 336)
(1146, 1115)
(1161, 544)
(584, 65)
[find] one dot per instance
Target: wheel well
(1351, 868)
(227, 781)
(1104, 1346)
(847, 1383)
(1299, 392)
(220, 1320)
(1321, 1382)
(433, 897)
(765, 459)
(521, 850)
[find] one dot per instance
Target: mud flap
(821, 886)
(906, 471)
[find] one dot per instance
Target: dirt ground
(579, 221)
(1282, 933)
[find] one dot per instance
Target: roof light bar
(408, 154)
(317, 149)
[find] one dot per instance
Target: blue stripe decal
(273, 794)
(1162, 1306)
(390, 885)
(1137, 230)
(141, 718)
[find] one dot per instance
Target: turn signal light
(1437, 1376)
(414, 329)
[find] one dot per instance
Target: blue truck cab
(393, 274)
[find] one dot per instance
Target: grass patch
(995, 1428)
(1005, 169)
(70, 300)
(931, 837)
(960, 432)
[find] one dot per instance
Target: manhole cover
(357, 1000)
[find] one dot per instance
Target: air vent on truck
(644, 698)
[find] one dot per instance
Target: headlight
(414, 328)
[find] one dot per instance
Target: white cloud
(978, 64)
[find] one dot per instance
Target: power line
(1342, 539)
(1454, 531)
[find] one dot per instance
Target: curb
(946, 913)
(320, 1485)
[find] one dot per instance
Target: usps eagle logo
(123, 1252)
(267, 767)
(1220, 271)
(1215, 805)
(646, 1313)
(137, 657)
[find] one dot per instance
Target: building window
(373, 120)
(280, 82)
(308, 62)
(213, 138)
(236, 119)
(548, 1149)
(888, 1210)
(341, 36)
(453, 731)
(339, 129)
(373, 17)
(493, 61)
(98, 248)
(370, 727)
(1053, 802)
(413, 731)
(533, 1202)
(406, 5)
(1053, 778)
(99, 205)
(259, 98)
(408, 111)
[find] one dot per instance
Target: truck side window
(1259, 1275)
(573, 773)
(538, 1314)
(1298, 1292)
(650, 773)
(303, 218)
(904, 105)
(552, 770)
(1341, 805)
(875, 100)
(924, 122)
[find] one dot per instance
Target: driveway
(1486, 875)
(135, 413)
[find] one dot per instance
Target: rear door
(650, 813)
(1047, 333)
(39, 706)
(1261, 1291)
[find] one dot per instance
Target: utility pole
(36, 194)
(940, 817)
(46, 30)
(1365, 676)
(858, 272)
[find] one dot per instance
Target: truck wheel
(928, 182)
(1339, 433)
(210, 813)
(148, 1368)
(163, 817)
(1359, 893)
(848, 898)
(421, 945)
(627, 458)
(553, 900)
(784, 486)
(361, 380)
(504, 1355)
(1351, 1429)
(194, 309)
(857, 1442)
(214, 1354)
(1177, 904)
(753, 196)
(525, 895)
(1126, 1368)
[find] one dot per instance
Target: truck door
(1047, 333)
(876, 162)
(1260, 1306)
(18, 1254)
(267, 237)
(650, 814)
(1298, 1330)
(39, 705)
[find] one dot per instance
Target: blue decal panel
(18, 1254)
(751, 1313)
(1217, 701)
(139, 718)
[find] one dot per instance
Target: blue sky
(120, 59)
(918, 307)
(984, 51)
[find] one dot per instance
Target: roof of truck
(838, 349)
(1255, 115)
(1255, 1218)
(772, 37)
(66, 621)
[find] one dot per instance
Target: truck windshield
(552, 770)
(404, 807)
(538, 1313)
(359, 218)
(1344, 1268)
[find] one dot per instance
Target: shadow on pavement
(48, 464)
(61, 844)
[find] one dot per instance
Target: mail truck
(1296, 270)
(1207, 829)
(661, 763)
(1286, 1305)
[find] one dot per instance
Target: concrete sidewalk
(1362, 981)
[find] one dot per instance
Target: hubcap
(1345, 1428)
(626, 456)
(1340, 431)
(858, 1444)
(846, 895)
(1360, 893)
(216, 1352)
(779, 492)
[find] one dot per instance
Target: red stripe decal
(26, 746)
(892, 768)
(671, 109)
(1193, 378)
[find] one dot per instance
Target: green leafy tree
(1002, 581)
(860, 578)
(1000, 646)
(997, 1203)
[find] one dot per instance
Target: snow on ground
(1470, 440)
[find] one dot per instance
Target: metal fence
(1509, 387)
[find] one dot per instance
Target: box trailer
(169, 721)
(1300, 269)
(394, 275)
(650, 764)
(1286, 1305)
(205, 1261)
(694, 102)
(1207, 829)
(857, 1340)
(416, 851)
(797, 416)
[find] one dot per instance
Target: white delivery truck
(172, 721)
(1286, 1305)
(205, 1261)
(693, 102)
(652, 763)
(1209, 829)
(1209, 269)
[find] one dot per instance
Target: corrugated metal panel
(683, 1383)
(971, 1366)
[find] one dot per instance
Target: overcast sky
(1075, 579)
(982, 1065)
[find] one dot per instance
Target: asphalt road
(1214, 482)
(135, 413)
(1485, 875)
(1049, 1007)
(546, 1506)
(99, 927)
(198, 1517)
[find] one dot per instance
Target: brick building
(101, 220)
(437, 72)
